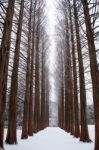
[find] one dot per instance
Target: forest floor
(52, 139)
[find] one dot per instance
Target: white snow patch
(52, 139)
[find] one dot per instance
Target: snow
(52, 138)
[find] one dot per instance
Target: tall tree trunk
(69, 80)
(76, 107)
(42, 118)
(61, 111)
(31, 123)
(67, 102)
(62, 107)
(84, 135)
(37, 83)
(46, 112)
(27, 91)
(94, 70)
(47, 108)
(4, 58)
(11, 134)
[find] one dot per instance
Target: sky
(51, 23)
(50, 10)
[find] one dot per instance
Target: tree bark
(69, 80)
(84, 135)
(94, 70)
(76, 107)
(31, 102)
(4, 58)
(42, 118)
(27, 91)
(37, 83)
(11, 133)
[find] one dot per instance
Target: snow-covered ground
(52, 139)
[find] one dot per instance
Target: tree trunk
(94, 70)
(67, 111)
(76, 107)
(37, 83)
(31, 115)
(84, 135)
(42, 118)
(69, 80)
(62, 107)
(4, 58)
(11, 134)
(27, 91)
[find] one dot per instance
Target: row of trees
(77, 37)
(23, 71)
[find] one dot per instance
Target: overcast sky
(51, 22)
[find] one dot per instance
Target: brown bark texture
(11, 133)
(94, 70)
(84, 135)
(76, 108)
(27, 91)
(4, 58)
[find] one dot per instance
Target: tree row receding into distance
(77, 38)
(23, 71)
(24, 68)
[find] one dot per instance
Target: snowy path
(52, 139)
